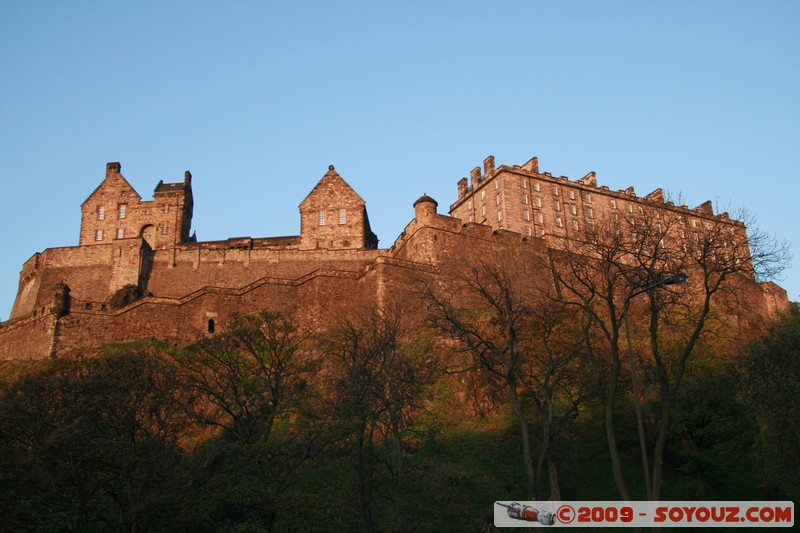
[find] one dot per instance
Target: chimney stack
(462, 188)
(475, 177)
(488, 166)
(113, 168)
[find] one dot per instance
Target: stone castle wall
(192, 289)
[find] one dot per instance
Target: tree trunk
(611, 434)
(526, 441)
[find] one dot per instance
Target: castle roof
(332, 179)
(113, 173)
(175, 187)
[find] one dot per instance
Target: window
(122, 210)
(557, 205)
(641, 211)
(497, 199)
(539, 218)
(469, 204)
(536, 186)
(573, 209)
(555, 191)
(527, 231)
(101, 213)
(575, 225)
(682, 233)
(589, 197)
(472, 218)
(613, 204)
(120, 233)
(526, 215)
(342, 216)
(496, 184)
(524, 199)
(98, 235)
(483, 210)
(589, 212)
(558, 222)
(163, 229)
(483, 194)
(630, 208)
(321, 218)
(693, 223)
(523, 183)
(538, 201)
(499, 216)
(211, 325)
(571, 194)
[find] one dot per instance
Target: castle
(138, 274)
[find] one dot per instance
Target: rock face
(138, 274)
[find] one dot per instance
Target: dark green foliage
(243, 433)
(771, 388)
(92, 445)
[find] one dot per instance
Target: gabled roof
(333, 179)
(113, 175)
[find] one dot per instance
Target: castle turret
(425, 209)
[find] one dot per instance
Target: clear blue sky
(701, 98)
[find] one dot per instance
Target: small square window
(120, 233)
(122, 210)
(321, 218)
(101, 213)
(98, 235)
(342, 216)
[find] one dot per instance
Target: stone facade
(190, 289)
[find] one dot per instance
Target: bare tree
(507, 332)
(378, 387)
(619, 260)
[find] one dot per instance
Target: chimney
(707, 208)
(113, 168)
(488, 166)
(462, 188)
(475, 177)
(187, 177)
